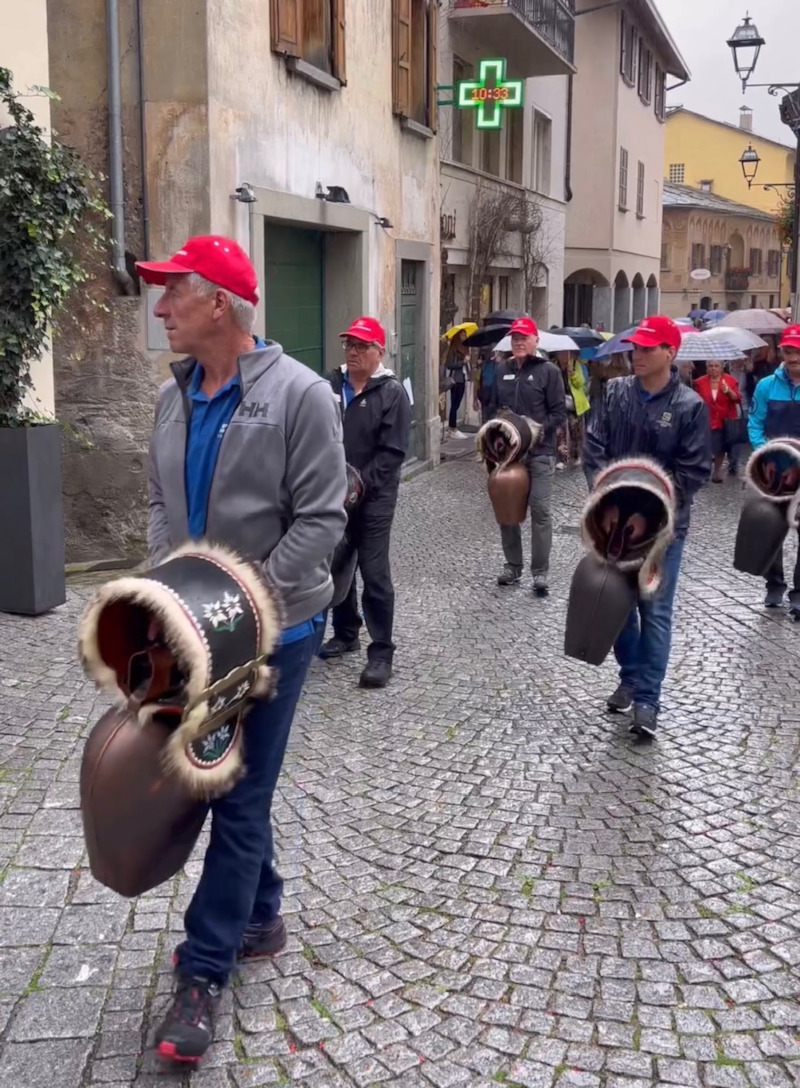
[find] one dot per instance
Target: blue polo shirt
(209, 422)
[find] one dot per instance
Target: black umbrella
(584, 338)
(488, 336)
(500, 317)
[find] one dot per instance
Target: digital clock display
(489, 94)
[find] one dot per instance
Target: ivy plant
(785, 220)
(50, 207)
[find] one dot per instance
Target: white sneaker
(458, 434)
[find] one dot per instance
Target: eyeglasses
(358, 346)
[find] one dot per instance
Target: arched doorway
(736, 250)
(653, 299)
(622, 302)
(639, 307)
(587, 298)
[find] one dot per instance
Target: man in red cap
(530, 386)
(247, 452)
(377, 421)
(775, 413)
(651, 414)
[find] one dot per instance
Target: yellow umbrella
(607, 335)
(469, 327)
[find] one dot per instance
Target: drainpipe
(143, 132)
(117, 201)
(568, 156)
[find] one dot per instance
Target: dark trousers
(370, 534)
(777, 580)
(642, 649)
(456, 397)
(239, 883)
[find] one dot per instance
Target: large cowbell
(184, 648)
(502, 444)
(627, 525)
(771, 509)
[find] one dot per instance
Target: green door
(293, 295)
(412, 362)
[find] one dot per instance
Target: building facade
(308, 134)
(623, 56)
(737, 244)
(25, 53)
(704, 153)
(503, 190)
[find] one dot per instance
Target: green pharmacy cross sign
(490, 94)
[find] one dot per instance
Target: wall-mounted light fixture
(244, 193)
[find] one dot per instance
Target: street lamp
(750, 160)
(745, 44)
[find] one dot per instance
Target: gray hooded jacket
(278, 491)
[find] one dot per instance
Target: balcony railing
(737, 279)
(553, 20)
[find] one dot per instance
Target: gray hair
(244, 312)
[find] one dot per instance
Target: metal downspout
(117, 198)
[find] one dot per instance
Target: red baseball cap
(524, 326)
(367, 329)
(219, 260)
(656, 330)
(790, 337)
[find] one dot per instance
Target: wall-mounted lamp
(382, 221)
(335, 194)
(244, 193)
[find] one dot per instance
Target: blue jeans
(642, 649)
(239, 883)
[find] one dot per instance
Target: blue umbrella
(698, 313)
(713, 316)
(615, 345)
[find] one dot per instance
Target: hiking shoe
(337, 647)
(645, 720)
(258, 942)
(377, 674)
(188, 1028)
(774, 597)
(511, 576)
(540, 586)
(621, 701)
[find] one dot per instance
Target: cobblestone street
(488, 882)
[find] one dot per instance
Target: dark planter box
(32, 559)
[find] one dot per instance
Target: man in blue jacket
(651, 414)
(246, 451)
(775, 413)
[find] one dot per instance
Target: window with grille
(677, 173)
(755, 262)
(640, 191)
(623, 178)
(715, 262)
(698, 255)
(666, 257)
(774, 262)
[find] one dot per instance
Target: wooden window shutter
(337, 16)
(401, 57)
(433, 40)
(286, 26)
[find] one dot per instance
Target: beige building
(504, 190)
(624, 55)
(24, 52)
(308, 134)
(738, 245)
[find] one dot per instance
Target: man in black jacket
(377, 422)
(651, 414)
(530, 386)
